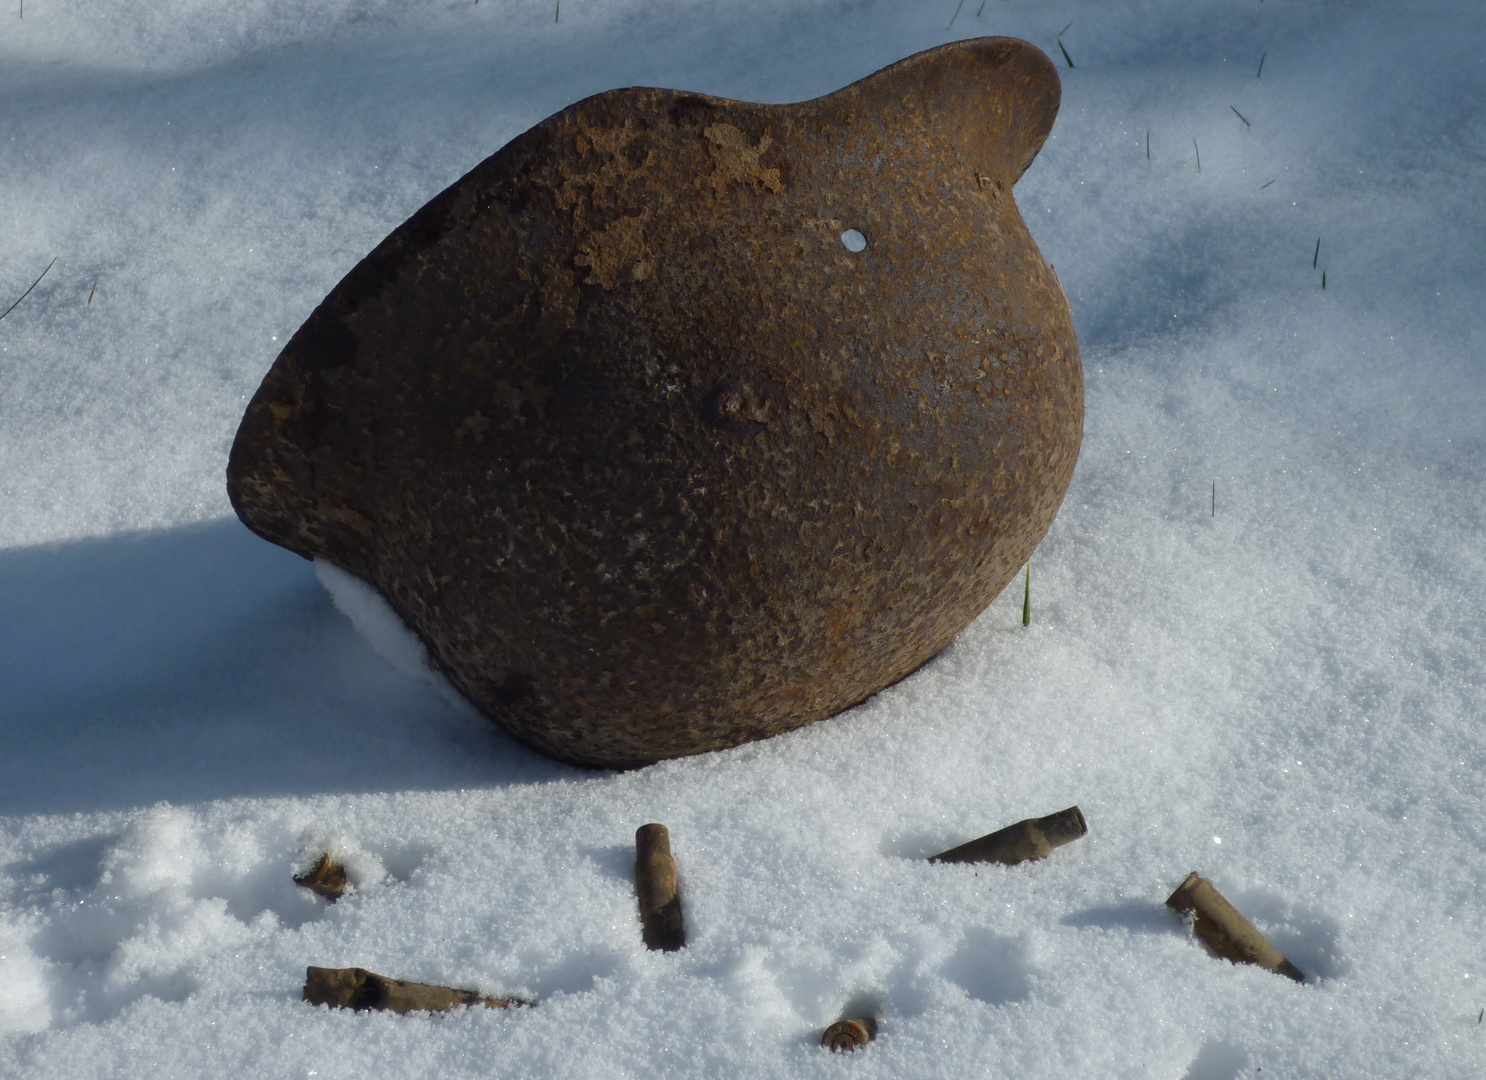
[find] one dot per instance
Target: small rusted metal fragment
(1220, 927)
(327, 878)
(847, 1035)
(658, 890)
(1033, 838)
(681, 421)
(357, 988)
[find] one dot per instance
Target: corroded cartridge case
(846, 1035)
(326, 878)
(1033, 838)
(658, 891)
(357, 988)
(1223, 930)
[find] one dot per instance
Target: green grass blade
(1027, 598)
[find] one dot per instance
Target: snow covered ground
(1258, 646)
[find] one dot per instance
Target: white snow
(379, 626)
(1258, 645)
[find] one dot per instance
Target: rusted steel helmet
(681, 421)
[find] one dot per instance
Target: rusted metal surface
(658, 889)
(326, 878)
(1034, 838)
(647, 454)
(357, 988)
(845, 1036)
(1220, 927)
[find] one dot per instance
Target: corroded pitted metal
(682, 421)
(844, 1036)
(658, 889)
(325, 878)
(1220, 926)
(1026, 841)
(357, 988)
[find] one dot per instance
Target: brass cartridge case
(326, 878)
(658, 890)
(357, 988)
(1223, 930)
(1031, 839)
(846, 1035)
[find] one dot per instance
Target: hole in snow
(854, 240)
(990, 968)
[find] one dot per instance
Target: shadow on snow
(202, 663)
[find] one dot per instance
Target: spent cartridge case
(326, 878)
(657, 889)
(1220, 927)
(846, 1035)
(357, 988)
(1031, 839)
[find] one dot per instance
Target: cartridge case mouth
(1063, 827)
(326, 878)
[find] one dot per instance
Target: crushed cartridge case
(357, 988)
(1031, 839)
(846, 1035)
(326, 878)
(657, 889)
(1223, 930)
